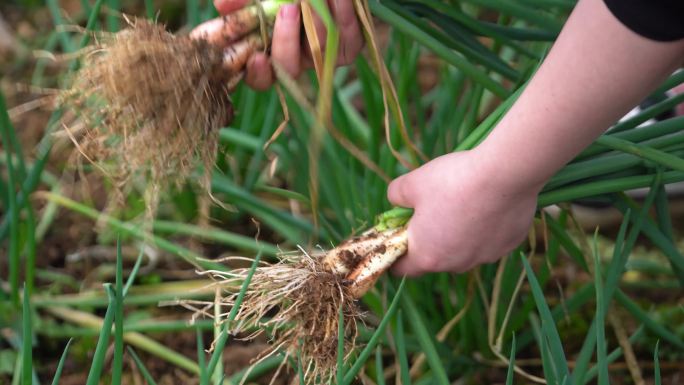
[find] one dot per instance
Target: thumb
(402, 191)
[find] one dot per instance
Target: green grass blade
(27, 341)
(479, 133)
(256, 371)
(112, 20)
(60, 364)
(478, 27)
(614, 355)
(659, 129)
(520, 34)
(18, 172)
(16, 376)
(30, 251)
(659, 239)
(117, 363)
(426, 341)
(663, 213)
(586, 352)
(38, 76)
(134, 273)
(379, 368)
(665, 225)
(591, 168)
(375, 338)
(90, 24)
(643, 317)
(134, 231)
(648, 113)
(201, 359)
(12, 216)
(150, 10)
(674, 80)
(284, 222)
(402, 357)
(193, 12)
(510, 373)
(548, 364)
(256, 163)
(141, 367)
(548, 324)
(56, 13)
(648, 153)
(523, 12)
(566, 241)
(103, 341)
(613, 185)
(217, 235)
(401, 24)
(601, 311)
(221, 342)
(340, 346)
(452, 35)
(300, 369)
(621, 253)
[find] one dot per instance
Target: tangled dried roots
(298, 301)
(300, 298)
(148, 106)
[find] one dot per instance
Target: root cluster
(148, 106)
(297, 301)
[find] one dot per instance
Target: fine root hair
(297, 301)
(147, 106)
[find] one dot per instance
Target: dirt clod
(350, 259)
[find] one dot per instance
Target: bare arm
(596, 71)
(475, 206)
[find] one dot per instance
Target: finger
(400, 192)
(227, 6)
(235, 56)
(224, 30)
(286, 49)
(208, 29)
(351, 41)
(259, 74)
(406, 266)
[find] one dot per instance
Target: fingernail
(289, 11)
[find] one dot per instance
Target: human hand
(289, 48)
(465, 213)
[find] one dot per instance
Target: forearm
(596, 71)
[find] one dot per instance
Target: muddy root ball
(146, 107)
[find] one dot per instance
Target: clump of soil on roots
(148, 106)
(297, 301)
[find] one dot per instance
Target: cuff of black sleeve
(660, 20)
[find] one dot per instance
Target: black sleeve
(661, 20)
